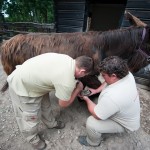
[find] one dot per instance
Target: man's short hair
(114, 65)
(86, 63)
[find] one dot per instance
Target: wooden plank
(70, 14)
(66, 29)
(143, 87)
(138, 4)
(78, 23)
(126, 23)
(70, 6)
(142, 81)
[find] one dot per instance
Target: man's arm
(98, 90)
(75, 92)
(91, 105)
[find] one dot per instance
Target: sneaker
(82, 140)
(60, 125)
(37, 143)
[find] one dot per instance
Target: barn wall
(70, 15)
(75, 15)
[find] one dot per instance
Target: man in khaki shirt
(30, 84)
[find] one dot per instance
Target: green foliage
(28, 10)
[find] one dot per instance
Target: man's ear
(113, 75)
(82, 71)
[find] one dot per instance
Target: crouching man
(118, 107)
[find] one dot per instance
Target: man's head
(84, 66)
(113, 69)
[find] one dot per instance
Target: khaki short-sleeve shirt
(44, 73)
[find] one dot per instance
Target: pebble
(58, 131)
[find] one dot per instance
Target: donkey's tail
(5, 87)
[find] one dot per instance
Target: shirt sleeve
(105, 108)
(63, 92)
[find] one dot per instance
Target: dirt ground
(75, 118)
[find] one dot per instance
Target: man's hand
(98, 90)
(93, 91)
(79, 86)
(85, 98)
(76, 91)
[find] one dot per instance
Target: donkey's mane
(125, 43)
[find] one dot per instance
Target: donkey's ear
(135, 21)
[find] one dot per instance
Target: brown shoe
(37, 143)
(60, 125)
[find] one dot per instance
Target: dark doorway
(105, 16)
